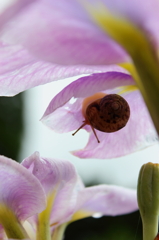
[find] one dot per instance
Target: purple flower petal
(62, 33)
(65, 202)
(72, 196)
(2, 233)
(87, 86)
(137, 134)
(144, 14)
(20, 190)
(20, 71)
(56, 175)
(13, 10)
(65, 114)
(50, 172)
(108, 200)
(69, 33)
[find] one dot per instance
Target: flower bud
(148, 199)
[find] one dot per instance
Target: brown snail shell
(107, 114)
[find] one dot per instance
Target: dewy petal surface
(108, 200)
(61, 32)
(64, 114)
(20, 190)
(59, 177)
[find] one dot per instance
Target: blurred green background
(11, 125)
(127, 227)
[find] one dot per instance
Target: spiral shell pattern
(108, 114)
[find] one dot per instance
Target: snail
(108, 113)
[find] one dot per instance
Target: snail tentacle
(95, 134)
(84, 124)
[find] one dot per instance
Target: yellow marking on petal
(119, 28)
(136, 43)
(43, 229)
(58, 233)
(81, 214)
(13, 228)
(126, 89)
(53, 224)
(131, 69)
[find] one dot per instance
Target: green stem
(11, 224)
(139, 47)
(43, 231)
(58, 233)
(148, 199)
(43, 228)
(147, 67)
(15, 230)
(150, 227)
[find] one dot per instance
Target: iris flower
(136, 31)
(50, 40)
(65, 113)
(41, 196)
(39, 45)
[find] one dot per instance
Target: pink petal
(64, 114)
(20, 190)
(65, 202)
(56, 175)
(137, 134)
(62, 33)
(144, 14)
(2, 232)
(50, 172)
(108, 200)
(68, 37)
(20, 71)
(84, 87)
(13, 10)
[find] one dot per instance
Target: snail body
(107, 114)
